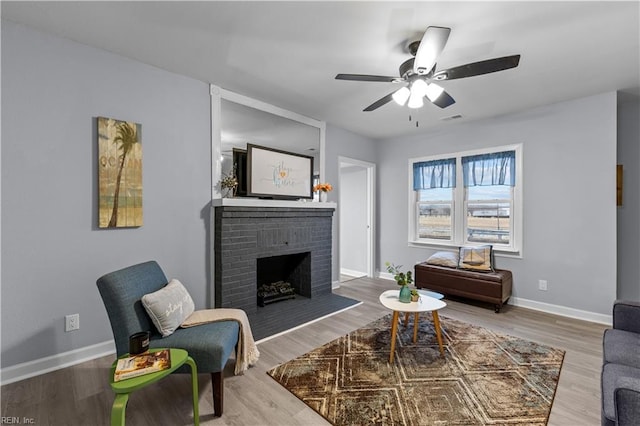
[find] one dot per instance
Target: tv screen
(240, 161)
(272, 173)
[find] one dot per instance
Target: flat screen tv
(240, 162)
(272, 173)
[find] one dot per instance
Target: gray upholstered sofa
(620, 380)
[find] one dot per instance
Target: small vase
(323, 197)
(231, 193)
(405, 294)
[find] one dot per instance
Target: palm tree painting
(119, 173)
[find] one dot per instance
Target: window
(467, 198)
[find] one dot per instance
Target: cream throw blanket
(247, 353)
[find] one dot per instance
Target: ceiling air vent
(453, 117)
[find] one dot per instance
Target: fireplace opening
(282, 277)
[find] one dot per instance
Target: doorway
(356, 207)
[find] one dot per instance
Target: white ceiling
(288, 53)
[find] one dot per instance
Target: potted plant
(403, 279)
(415, 296)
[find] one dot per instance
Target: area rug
(485, 378)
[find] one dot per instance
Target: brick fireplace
(270, 232)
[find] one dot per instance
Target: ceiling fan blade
(377, 104)
(444, 100)
(366, 77)
(478, 68)
(431, 46)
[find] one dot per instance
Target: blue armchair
(210, 345)
(620, 380)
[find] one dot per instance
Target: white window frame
(514, 249)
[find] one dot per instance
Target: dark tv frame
(252, 170)
(240, 163)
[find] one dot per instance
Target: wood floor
(80, 395)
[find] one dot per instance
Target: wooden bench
(491, 287)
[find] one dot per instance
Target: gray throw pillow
(444, 258)
(168, 307)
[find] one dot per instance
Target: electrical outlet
(542, 285)
(72, 322)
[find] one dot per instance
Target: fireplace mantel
(257, 202)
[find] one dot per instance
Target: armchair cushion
(626, 315)
(615, 376)
(209, 344)
(121, 292)
(627, 401)
(621, 347)
(168, 307)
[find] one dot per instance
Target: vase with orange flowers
(322, 189)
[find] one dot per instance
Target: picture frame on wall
(272, 173)
(119, 173)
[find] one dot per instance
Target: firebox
(283, 272)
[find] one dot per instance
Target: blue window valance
(434, 174)
(498, 168)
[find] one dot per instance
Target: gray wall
(629, 212)
(569, 152)
(52, 253)
(343, 143)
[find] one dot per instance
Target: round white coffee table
(389, 299)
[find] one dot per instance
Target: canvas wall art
(272, 173)
(119, 173)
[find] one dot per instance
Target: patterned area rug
(485, 378)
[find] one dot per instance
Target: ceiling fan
(419, 73)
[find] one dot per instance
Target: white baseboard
(547, 307)
(352, 273)
(44, 365)
(561, 310)
(385, 276)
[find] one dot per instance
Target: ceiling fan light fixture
(401, 95)
(419, 72)
(433, 92)
(415, 100)
(419, 88)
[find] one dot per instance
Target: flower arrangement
(322, 187)
(402, 278)
(229, 181)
